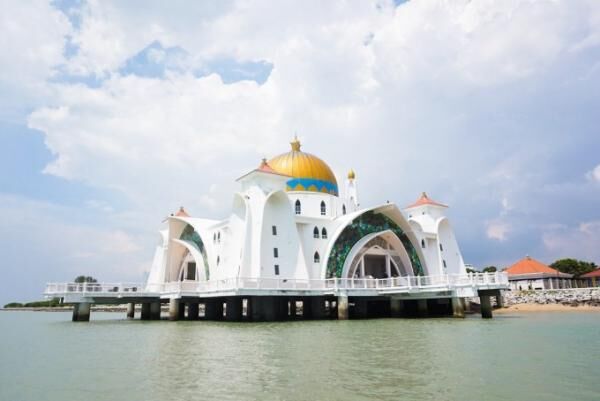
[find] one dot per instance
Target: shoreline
(533, 308)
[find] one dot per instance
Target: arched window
(422, 243)
(219, 237)
(323, 208)
(218, 260)
(298, 207)
(317, 258)
(324, 233)
(343, 209)
(215, 237)
(441, 247)
(316, 232)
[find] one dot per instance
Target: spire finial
(295, 143)
(424, 194)
(351, 174)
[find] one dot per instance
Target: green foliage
(51, 303)
(14, 305)
(490, 269)
(469, 270)
(85, 279)
(574, 266)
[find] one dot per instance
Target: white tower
(351, 202)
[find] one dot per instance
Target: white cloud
(580, 242)
(497, 230)
(594, 174)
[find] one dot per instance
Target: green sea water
(546, 356)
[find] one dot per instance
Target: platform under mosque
(298, 246)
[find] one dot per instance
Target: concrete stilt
(174, 309)
(467, 303)
(269, 308)
(81, 312)
(130, 310)
(233, 312)
(293, 308)
(306, 311)
(396, 307)
(458, 309)
(342, 307)
(486, 306)
(499, 300)
(145, 311)
(193, 310)
(422, 307)
(361, 310)
(317, 307)
(210, 309)
(155, 311)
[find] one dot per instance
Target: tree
(573, 266)
(85, 279)
(490, 269)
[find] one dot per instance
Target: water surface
(551, 356)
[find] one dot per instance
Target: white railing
(400, 284)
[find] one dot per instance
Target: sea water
(545, 356)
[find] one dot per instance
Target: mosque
(295, 237)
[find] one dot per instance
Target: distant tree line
(52, 302)
(568, 265)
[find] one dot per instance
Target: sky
(113, 114)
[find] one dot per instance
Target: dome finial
(351, 174)
(296, 144)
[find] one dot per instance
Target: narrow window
(444, 262)
(274, 229)
(275, 252)
(215, 237)
(422, 243)
(277, 270)
(298, 207)
(316, 232)
(441, 247)
(218, 260)
(324, 233)
(191, 271)
(323, 208)
(219, 237)
(343, 209)
(317, 257)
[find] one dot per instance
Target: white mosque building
(294, 236)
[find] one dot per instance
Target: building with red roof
(592, 278)
(531, 274)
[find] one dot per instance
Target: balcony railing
(387, 285)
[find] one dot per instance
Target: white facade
(274, 231)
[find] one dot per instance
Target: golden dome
(351, 174)
(308, 171)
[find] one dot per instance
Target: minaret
(351, 200)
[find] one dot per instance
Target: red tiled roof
(595, 273)
(424, 200)
(529, 265)
(181, 212)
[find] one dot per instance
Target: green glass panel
(365, 224)
(190, 236)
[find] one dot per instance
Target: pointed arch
(316, 232)
(317, 257)
(298, 207)
(323, 208)
(324, 233)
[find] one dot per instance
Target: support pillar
(342, 307)
(422, 307)
(458, 309)
(499, 300)
(210, 309)
(293, 308)
(81, 312)
(155, 311)
(182, 306)
(193, 310)
(467, 304)
(233, 312)
(396, 307)
(306, 311)
(486, 306)
(174, 309)
(145, 311)
(130, 310)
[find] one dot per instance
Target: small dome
(308, 171)
(351, 175)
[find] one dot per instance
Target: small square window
(275, 252)
(277, 270)
(274, 230)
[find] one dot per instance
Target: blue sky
(114, 114)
